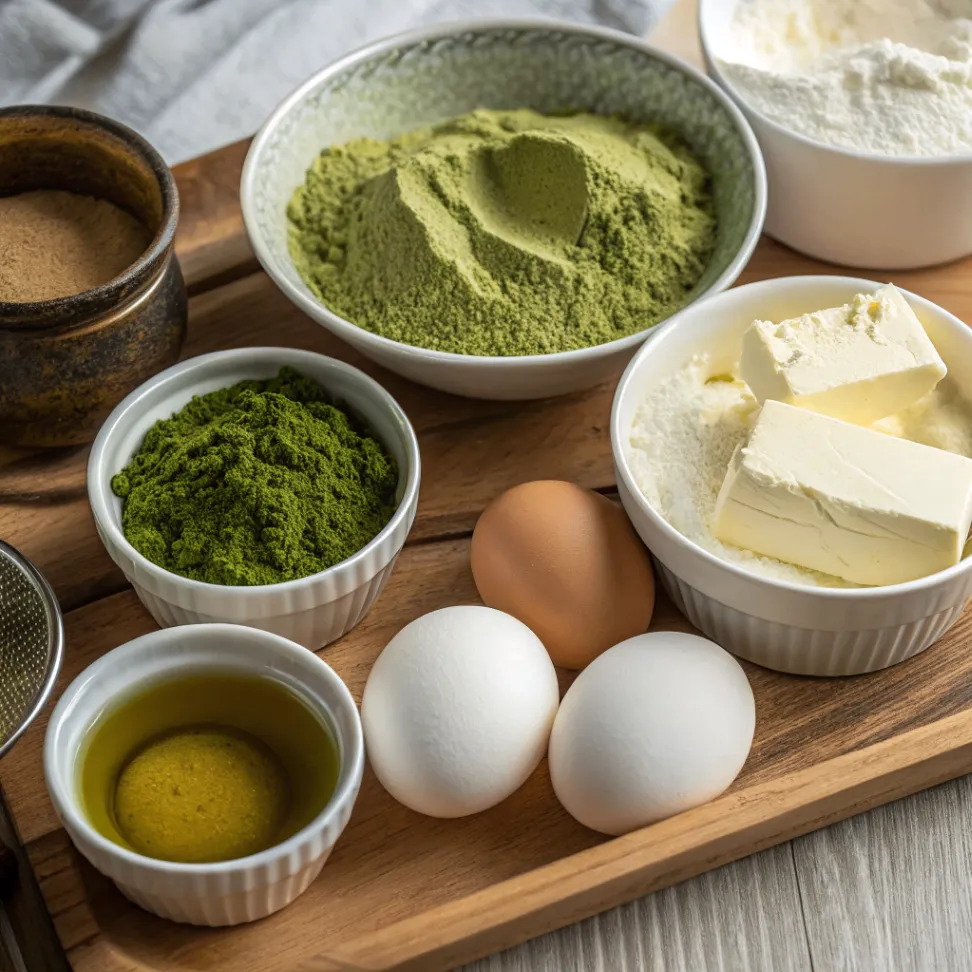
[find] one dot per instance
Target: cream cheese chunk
(827, 495)
(860, 362)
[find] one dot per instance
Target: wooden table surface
(888, 890)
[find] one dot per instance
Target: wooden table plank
(891, 890)
(211, 242)
(471, 450)
(23, 908)
(745, 915)
(385, 839)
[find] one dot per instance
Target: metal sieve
(31, 644)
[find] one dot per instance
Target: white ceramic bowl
(419, 78)
(229, 892)
(788, 627)
(852, 208)
(312, 611)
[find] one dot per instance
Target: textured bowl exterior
(231, 892)
(787, 627)
(312, 611)
(806, 651)
(422, 77)
(230, 898)
(845, 207)
(235, 907)
(313, 627)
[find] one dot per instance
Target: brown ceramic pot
(65, 363)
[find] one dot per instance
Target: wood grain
(889, 891)
(667, 852)
(471, 450)
(211, 242)
(395, 893)
(742, 916)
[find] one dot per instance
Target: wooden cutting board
(400, 890)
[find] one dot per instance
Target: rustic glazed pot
(65, 363)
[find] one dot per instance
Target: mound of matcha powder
(260, 483)
(505, 233)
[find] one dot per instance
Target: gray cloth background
(191, 75)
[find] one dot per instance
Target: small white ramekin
(788, 627)
(230, 892)
(857, 209)
(312, 611)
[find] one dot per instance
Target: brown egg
(567, 563)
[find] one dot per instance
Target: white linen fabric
(191, 75)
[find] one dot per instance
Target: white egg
(657, 724)
(457, 710)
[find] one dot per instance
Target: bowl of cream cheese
(864, 115)
(701, 456)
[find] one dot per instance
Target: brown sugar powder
(54, 243)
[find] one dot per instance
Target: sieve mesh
(30, 643)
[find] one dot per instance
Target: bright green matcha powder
(259, 483)
(505, 233)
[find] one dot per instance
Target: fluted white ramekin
(785, 626)
(312, 611)
(230, 892)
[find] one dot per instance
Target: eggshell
(655, 725)
(458, 709)
(568, 564)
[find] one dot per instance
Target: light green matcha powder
(505, 233)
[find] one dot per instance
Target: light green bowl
(422, 77)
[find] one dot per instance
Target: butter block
(860, 362)
(845, 500)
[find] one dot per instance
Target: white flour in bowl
(892, 77)
(684, 433)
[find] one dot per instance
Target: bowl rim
(67, 803)
(99, 488)
(127, 285)
(674, 536)
(345, 328)
(712, 62)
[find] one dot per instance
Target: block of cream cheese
(845, 500)
(860, 362)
